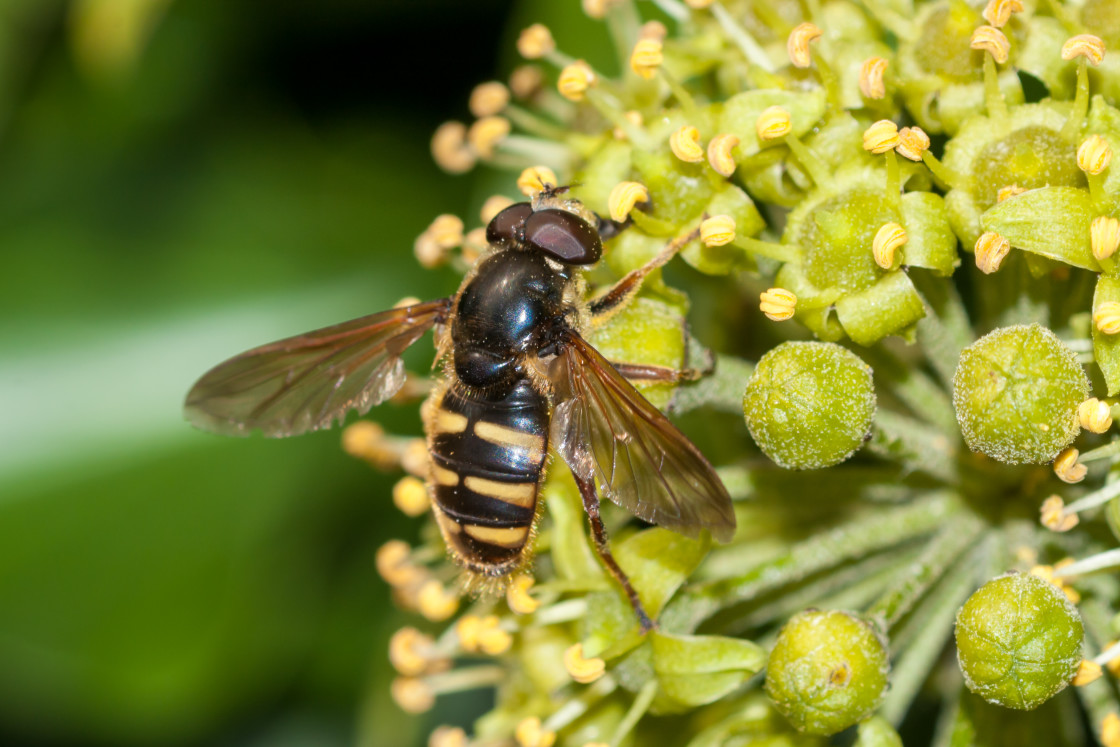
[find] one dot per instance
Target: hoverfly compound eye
(508, 226)
(563, 236)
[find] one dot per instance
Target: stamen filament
(1096, 498)
(993, 97)
(751, 49)
(808, 161)
(1080, 103)
(1102, 561)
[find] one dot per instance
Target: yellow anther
(415, 458)
(428, 252)
(698, 4)
(482, 634)
(653, 30)
(394, 564)
(405, 302)
(990, 250)
(717, 230)
(583, 669)
(912, 143)
(536, 179)
(495, 204)
(574, 80)
(778, 304)
(719, 153)
(486, 133)
(998, 12)
(1095, 416)
(623, 197)
(1104, 236)
(517, 595)
(634, 117)
(595, 744)
(1008, 192)
(412, 694)
(410, 496)
(488, 99)
(797, 45)
(436, 603)
(871, 73)
(1106, 317)
(1053, 515)
(1046, 573)
(535, 42)
(525, 80)
(1113, 664)
(1088, 671)
(991, 40)
(474, 244)
(647, 57)
(367, 441)
(881, 136)
(1067, 468)
(685, 144)
(1084, 45)
(448, 736)
(530, 733)
(410, 651)
(774, 122)
(447, 230)
(888, 239)
(449, 148)
(1094, 155)
(597, 9)
(1110, 731)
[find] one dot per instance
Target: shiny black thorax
(512, 306)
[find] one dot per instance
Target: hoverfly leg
(591, 506)
(606, 305)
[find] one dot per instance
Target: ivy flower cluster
(918, 199)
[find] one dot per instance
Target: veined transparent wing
(606, 430)
(307, 382)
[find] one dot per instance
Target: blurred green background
(181, 180)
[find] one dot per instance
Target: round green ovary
(1016, 392)
(827, 671)
(1029, 158)
(809, 404)
(837, 238)
(943, 47)
(1018, 641)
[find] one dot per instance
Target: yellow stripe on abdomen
(518, 493)
(509, 537)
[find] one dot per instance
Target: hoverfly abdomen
(487, 458)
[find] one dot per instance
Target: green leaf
(696, 670)
(1106, 348)
(740, 112)
(931, 244)
(1051, 221)
(887, 307)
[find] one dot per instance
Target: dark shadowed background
(181, 180)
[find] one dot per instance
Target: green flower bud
(809, 404)
(1016, 393)
(827, 671)
(649, 332)
(1018, 641)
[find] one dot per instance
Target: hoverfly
(519, 377)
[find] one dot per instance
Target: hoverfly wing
(307, 382)
(605, 429)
